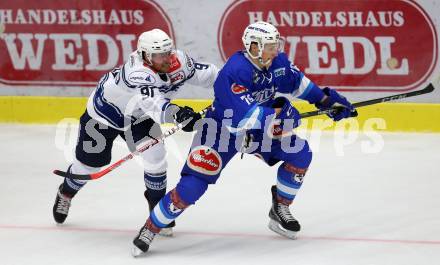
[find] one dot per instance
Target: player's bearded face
(161, 62)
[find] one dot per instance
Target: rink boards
(404, 117)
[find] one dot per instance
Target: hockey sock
(168, 209)
(156, 185)
(289, 181)
(71, 186)
(188, 191)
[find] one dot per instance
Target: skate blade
(167, 232)
(136, 252)
(276, 227)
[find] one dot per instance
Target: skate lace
(146, 235)
(63, 204)
(284, 213)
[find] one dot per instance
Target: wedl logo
(352, 45)
(71, 43)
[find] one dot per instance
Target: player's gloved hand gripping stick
(336, 109)
(144, 147)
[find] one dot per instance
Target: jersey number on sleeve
(201, 66)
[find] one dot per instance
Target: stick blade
(431, 87)
(72, 176)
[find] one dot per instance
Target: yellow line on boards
(406, 117)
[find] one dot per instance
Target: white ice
(356, 208)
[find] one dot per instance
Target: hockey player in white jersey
(131, 101)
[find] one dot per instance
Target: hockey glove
(343, 110)
(288, 113)
(188, 117)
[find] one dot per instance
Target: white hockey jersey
(134, 89)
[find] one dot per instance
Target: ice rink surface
(355, 207)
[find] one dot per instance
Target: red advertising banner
(71, 43)
(353, 45)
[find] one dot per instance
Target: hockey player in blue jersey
(247, 117)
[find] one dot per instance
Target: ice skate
(142, 242)
(281, 220)
(61, 207)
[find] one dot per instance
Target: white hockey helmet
(154, 41)
(261, 33)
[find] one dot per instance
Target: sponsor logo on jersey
(238, 89)
(175, 63)
(71, 43)
(179, 76)
(140, 77)
(279, 71)
(362, 47)
(205, 160)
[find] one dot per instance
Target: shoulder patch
(238, 89)
(279, 71)
(141, 77)
(205, 160)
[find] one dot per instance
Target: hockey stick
(428, 89)
(115, 165)
(176, 128)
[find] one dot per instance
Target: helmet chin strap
(145, 58)
(260, 59)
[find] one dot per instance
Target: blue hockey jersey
(248, 91)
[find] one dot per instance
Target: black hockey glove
(188, 117)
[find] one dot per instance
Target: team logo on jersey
(205, 160)
(238, 89)
(264, 95)
(177, 77)
(267, 77)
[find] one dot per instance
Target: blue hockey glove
(344, 109)
(288, 112)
